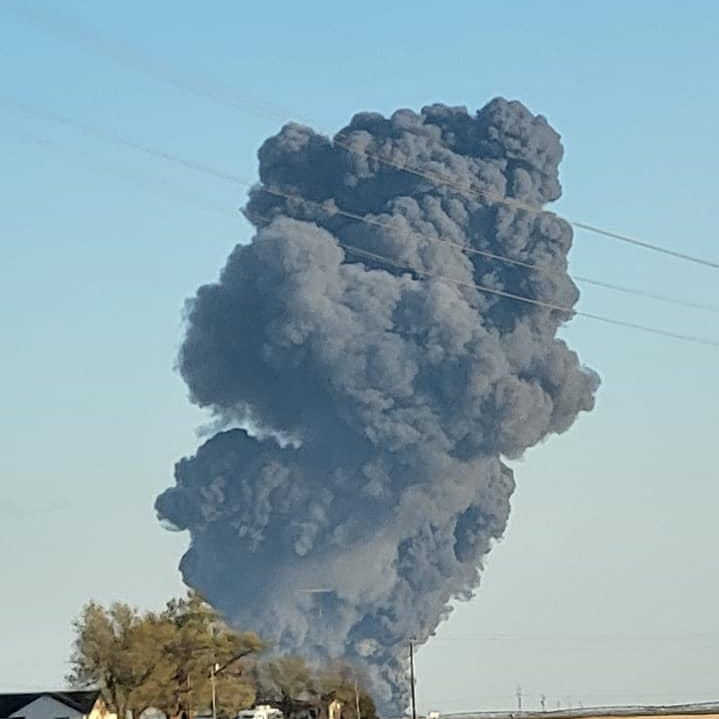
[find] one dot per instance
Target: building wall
(100, 711)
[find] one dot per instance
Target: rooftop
(81, 701)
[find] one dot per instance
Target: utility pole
(357, 706)
(411, 675)
(213, 670)
(519, 698)
(216, 669)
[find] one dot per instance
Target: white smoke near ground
(402, 392)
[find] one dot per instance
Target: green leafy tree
(162, 660)
(119, 651)
(165, 660)
(202, 640)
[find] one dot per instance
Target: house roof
(81, 701)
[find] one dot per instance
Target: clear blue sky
(606, 586)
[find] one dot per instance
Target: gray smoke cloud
(381, 399)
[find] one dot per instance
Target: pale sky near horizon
(605, 587)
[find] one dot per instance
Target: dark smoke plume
(380, 400)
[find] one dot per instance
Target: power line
(641, 243)
(520, 205)
(230, 177)
(529, 300)
(512, 203)
(642, 293)
(201, 167)
(520, 298)
(491, 255)
(91, 163)
(133, 56)
(60, 119)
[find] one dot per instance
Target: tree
(164, 660)
(202, 640)
(343, 682)
(285, 682)
(292, 685)
(119, 651)
(161, 660)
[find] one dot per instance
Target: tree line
(163, 660)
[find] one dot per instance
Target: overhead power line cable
(220, 174)
(231, 177)
(91, 163)
(529, 300)
(494, 256)
(133, 56)
(389, 261)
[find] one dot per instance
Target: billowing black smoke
(380, 398)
